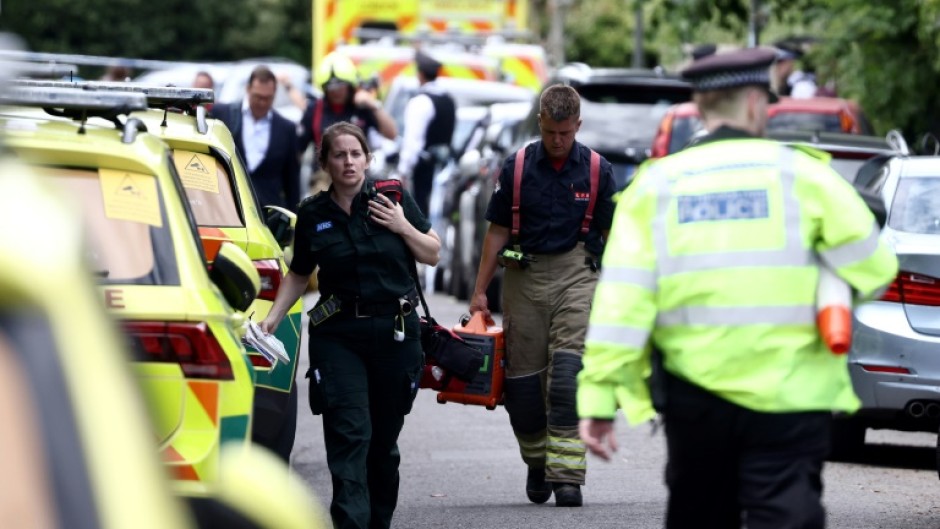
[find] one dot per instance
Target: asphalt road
(461, 469)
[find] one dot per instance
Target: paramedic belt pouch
(324, 310)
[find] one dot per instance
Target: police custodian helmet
(747, 67)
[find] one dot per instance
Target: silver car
(895, 356)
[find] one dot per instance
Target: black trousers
(730, 466)
(363, 383)
(423, 179)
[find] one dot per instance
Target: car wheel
(847, 440)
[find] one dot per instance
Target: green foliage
(203, 30)
(600, 33)
(883, 54)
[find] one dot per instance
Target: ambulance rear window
(209, 189)
(128, 240)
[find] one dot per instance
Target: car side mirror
(281, 222)
(875, 204)
(469, 164)
(236, 276)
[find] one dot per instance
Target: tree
(204, 30)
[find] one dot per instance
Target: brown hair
(340, 129)
(560, 102)
(262, 74)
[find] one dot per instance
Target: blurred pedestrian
(549, 217)
(266, 140)
(713, 262)
(342, 100)
(203, 80)
(365, 350)
(430, 118)
(117, 73)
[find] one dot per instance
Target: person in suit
(266, 141)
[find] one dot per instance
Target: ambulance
(475, 39)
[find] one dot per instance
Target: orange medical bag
(486, 389)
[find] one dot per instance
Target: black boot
(536, 488)
(567, 495)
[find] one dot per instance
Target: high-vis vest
(713, 257)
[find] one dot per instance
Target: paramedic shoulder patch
(730, 205)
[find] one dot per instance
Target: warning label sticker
(130, 196)
(197, 170)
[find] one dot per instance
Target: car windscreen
(916, 205)
(208, 186)
(617, 116)
(129, 241)
(805, 121)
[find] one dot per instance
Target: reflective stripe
(733, 316)
(618, 334)
(556, 442)
(566, 463)
(641, 277)
(793, 253)
(852, 252)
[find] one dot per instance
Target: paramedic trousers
(729, 466)
(546, 310)
(363, 383)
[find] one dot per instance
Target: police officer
(342, 100)
(551, 271)
(713, 260)
(365, 353)
(430, 118)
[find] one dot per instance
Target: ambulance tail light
(257, 360)
(914, 289)
(191, 345)
(270, 273)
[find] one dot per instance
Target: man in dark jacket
(266, 141)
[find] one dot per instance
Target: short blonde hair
(727, 103)
(560, 102)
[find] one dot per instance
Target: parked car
(849, 152)
(620, 111)
(183, 323)
(226, 209)
(893, 361)
(819, 114)
(77, 448)
(478, 170)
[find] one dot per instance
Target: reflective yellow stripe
(630, 275)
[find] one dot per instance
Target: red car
(817, 114)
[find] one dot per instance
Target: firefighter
(550, 251)
(712, 263)
(342, 100)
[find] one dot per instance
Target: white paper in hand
(266, 344)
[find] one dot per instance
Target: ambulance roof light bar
(80, 105)
(162, 97)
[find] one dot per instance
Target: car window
(805, 121)
(129, 241)
(916, 206)
(208, 186)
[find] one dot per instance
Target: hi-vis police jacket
(712, 257)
